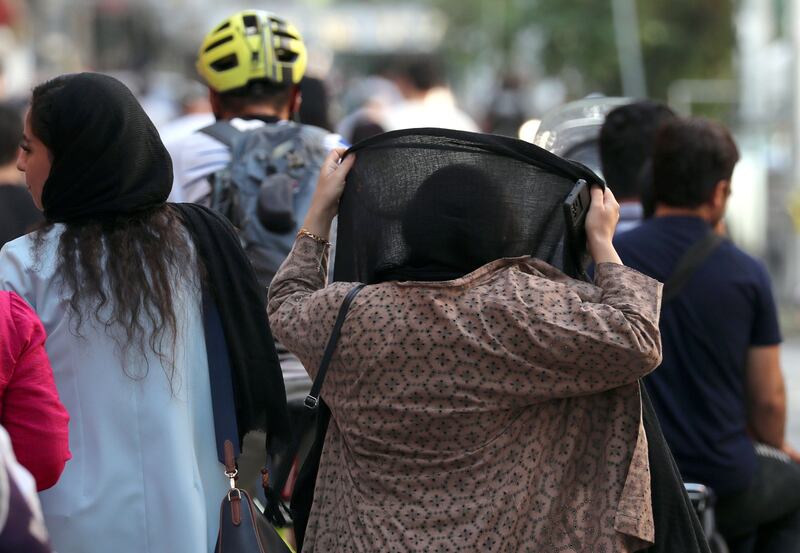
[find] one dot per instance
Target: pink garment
(29, 406)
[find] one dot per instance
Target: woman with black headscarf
(478, 403)
(117, 277)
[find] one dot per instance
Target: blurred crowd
(541, 336)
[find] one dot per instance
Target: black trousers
(764, 518)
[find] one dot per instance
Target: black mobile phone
(576, 206)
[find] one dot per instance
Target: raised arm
(301, 313)
(572, 339)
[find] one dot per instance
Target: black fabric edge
(502, 145)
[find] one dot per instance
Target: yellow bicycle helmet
(252, 45)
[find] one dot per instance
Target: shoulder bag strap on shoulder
(281, 474)
(223, 131)
(689, 263)
(312, 400)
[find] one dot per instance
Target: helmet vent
(250, 24)
(285, 55)
(223, 27)
(219, 42)
(223, 64)
(283, 34)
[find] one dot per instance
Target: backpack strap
(223, 131)
(689, 263)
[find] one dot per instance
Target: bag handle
(221, 380)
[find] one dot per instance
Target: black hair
(10, 133)
(690, 157)
(626, 144)
(257, 92)
(423, 72)
(314, 108)
(119, 270)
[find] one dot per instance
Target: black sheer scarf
(108, 159)
(436, 204)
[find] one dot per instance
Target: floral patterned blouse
(496, 412)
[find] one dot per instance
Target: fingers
(597, 195)
(347, 163)
(334, 162)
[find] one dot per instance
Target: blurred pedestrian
(626, 149)
(429, 102)
(117, 277)
(21, 524)
(314, 107)
(18, 215)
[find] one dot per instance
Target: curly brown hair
(122, 270)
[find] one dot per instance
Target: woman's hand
(601, 222)
(330, 186)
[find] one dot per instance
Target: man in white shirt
(252, 63)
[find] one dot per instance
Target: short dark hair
(424, 72)
(690, 157)
(626, 144)
(257, 92)
(10, 133)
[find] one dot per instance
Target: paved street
(791, 371)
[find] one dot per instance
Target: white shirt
(200, 155)
(437, 109)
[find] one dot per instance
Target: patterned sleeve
(568, 339)
(301, 308)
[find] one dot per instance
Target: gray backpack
(266, 189)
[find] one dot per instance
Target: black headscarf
(108, 157)
(109, 160)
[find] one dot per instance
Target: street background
(791, 368)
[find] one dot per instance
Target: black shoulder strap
(689, 263)
(223, 131)
(313, 397)
(278, 480)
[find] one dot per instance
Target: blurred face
(34, 160)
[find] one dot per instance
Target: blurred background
(506, 63)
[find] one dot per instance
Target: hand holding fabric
(601, 221)
(330, 187)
